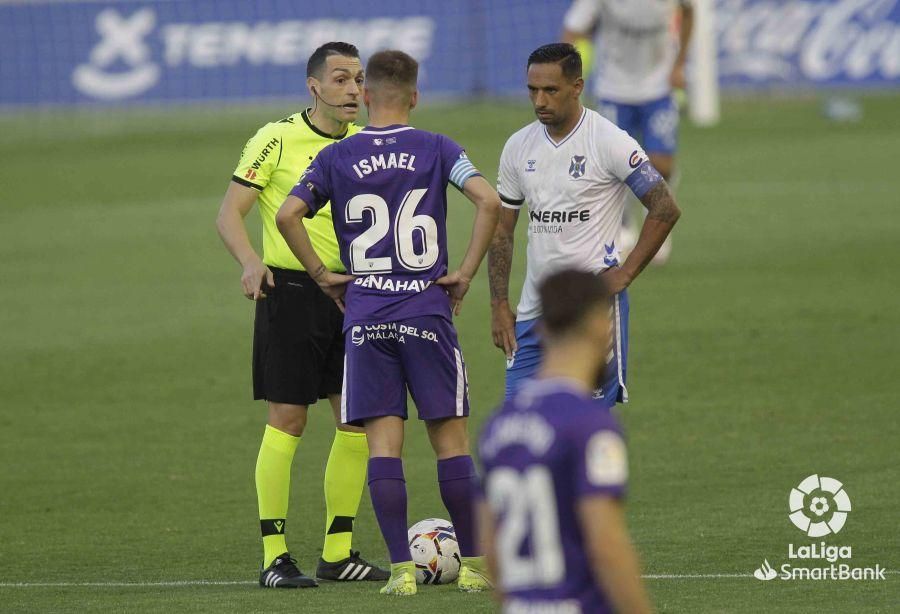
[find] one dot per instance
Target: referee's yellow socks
(345, 478)
(273, 486)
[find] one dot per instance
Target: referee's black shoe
(283, 573)
(351, 569)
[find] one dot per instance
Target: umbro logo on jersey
(577, 167)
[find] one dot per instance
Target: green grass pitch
(767, 350)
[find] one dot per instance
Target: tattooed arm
(503, 320)
(662, 213)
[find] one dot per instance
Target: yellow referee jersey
(272, 162)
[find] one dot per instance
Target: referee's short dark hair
(316, 61)
(564, 54)
(567, 297)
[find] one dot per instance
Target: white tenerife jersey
(635, 46)
(575, 192)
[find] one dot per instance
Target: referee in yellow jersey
(298, 346)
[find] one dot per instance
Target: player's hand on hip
(456, 285)
(503, 328)
(616, 279)
(255, 279)
(334, 285)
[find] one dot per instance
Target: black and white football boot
(351, 569)
(283, 573)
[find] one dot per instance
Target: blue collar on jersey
(568, 136)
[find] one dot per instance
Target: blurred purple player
(388, 191)
(555, 471)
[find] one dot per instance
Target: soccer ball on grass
(432, 543)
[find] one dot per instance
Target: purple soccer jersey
(388, 193)
(542, 452)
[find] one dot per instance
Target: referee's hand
(255, 274)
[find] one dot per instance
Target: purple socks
(455, 477)
(387, 487)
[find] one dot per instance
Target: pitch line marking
(172, 583)
(693, 576)
(187, 583)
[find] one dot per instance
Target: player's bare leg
(345, 479)
(449, 437)
(385, 436)
(665, 164)
(273, 485)
(387, 487)
(456, 475)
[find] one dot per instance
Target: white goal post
(703, 84)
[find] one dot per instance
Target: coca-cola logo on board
(808, 40)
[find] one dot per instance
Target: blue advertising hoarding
(78, 52)
(164, 50)
(808, 43)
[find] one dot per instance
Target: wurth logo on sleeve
(269, 148)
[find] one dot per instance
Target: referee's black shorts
(298, 346)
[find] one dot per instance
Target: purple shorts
(420, 354)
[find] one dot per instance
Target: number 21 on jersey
(526, 504)
(406, 228)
